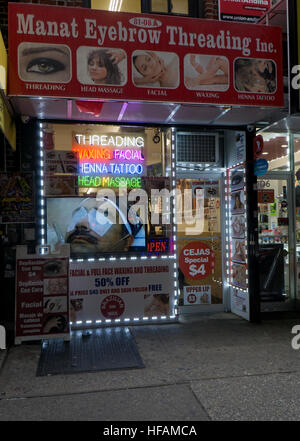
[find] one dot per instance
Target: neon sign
(87, 168)
(110, 140)
(108, 155)
(158, 245)
(99, 181)
(95, 154)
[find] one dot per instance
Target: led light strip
(174, 233)
(42, 222)
(174, 312)
(41, 198)
(228, 234)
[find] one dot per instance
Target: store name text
(28, 24)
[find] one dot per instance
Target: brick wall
(210, 9)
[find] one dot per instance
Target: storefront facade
(148, 175)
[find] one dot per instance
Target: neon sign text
(114, 141)
(93, 153)
(87, 168)
(129, 155)
(99, 181)
(107, 154)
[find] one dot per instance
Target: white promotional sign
(119, 290)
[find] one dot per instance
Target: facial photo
(255, 75)
(206, 72)
(81, 223)
(155, 69)
(47, 63)
(101, 66)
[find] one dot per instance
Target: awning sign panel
(83, 53)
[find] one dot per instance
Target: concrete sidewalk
(216, 367)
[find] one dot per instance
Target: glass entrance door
(277, 287)
(199, 244)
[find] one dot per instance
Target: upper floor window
(117, 5)
(194, 8)
(170, 6)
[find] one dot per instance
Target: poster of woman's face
(255, 75)
(206, 72)
(237, 202)
(101, 66)
(47, 63)
(154, 69)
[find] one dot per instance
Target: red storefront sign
(243, 10)
(82, 53)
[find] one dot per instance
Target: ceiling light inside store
(284, 146)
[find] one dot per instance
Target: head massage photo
(100, 66)
(155, 69)
(47, 63)
(255, 75)
(94, 227)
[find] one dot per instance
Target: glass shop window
(171, 7)
(103, 189)
(276, 150)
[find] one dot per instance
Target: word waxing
(28, 24)
(106, 154)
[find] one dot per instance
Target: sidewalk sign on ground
(42, 294)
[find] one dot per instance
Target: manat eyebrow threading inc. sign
(82, 53)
